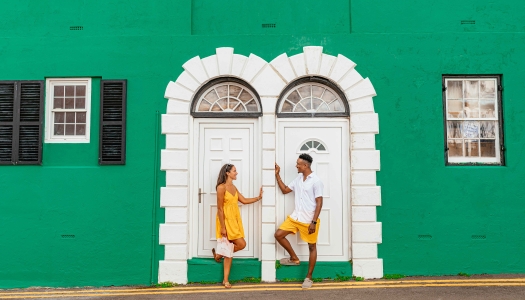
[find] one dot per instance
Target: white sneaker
(307, 283)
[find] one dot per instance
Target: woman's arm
(249, 200)
(221, 189)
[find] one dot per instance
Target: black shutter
(112, 146)
(21, 110)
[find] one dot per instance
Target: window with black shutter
(21, 110)
(112, 147)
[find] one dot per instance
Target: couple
(308, 190)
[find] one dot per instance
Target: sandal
(287, 261)
(227, 284)
(216, 256)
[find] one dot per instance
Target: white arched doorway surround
(268, 79)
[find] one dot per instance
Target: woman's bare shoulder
(221, 188)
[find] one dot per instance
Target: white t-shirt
(305, 194)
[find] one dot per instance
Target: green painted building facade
(73, 222)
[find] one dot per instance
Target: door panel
(331, 166)
(218, 146)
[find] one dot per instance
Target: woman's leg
(239, 244)
(227, 267)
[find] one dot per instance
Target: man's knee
(312, 247)
(278, 234)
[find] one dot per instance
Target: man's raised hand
(277, 169)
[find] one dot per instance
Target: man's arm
(280, 182)
(318, 207)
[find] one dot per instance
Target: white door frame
(194, 182)
(345, 151)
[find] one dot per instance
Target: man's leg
(280, 236)
(312, 260)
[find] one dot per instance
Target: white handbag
(224, 247)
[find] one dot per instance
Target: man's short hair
(306, 158)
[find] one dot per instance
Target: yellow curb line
(222, 290)
(242, 286)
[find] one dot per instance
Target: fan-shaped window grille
(312, 97)
(312, 145)
(226, 97)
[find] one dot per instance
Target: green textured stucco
(402, 46)
(208, 270)
(323, 269)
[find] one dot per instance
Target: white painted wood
(269, 196)
(227, 143)
(364, 123)
(364, 250)
(176, 178)
(268, 141)
(366, 195)
(238, 62)
(173, 160)
(173, 271)
(196, 69)
(178, 107)
(211, 66)
(173, 234)
(283, 67)
(367, 268)
(177, 91)
(364, 214)
(268, 104)
(268, 253)
(268, 271)
(341, 67)
(268, 123)
(175, 252)
(268, 214)
(268, 83)
(175, 123)
(268, 230)
(252, 68)
(268, 159)
(366, 232)
(224, 60)
(186, 80)
(362, 89)
(365, 160)
(176, 215)
(177, 141)
(363, 141)
(298, 64)
(330, 167)
(268, 177)
(327, 62)
(363, 178)
(173, 196)
(362, 105)
(312, 55)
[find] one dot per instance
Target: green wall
(402, 46)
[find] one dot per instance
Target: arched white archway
(269, 79)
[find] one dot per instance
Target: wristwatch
(314, 222)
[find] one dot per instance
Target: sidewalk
(514, 280)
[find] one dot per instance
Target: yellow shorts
(293, 226)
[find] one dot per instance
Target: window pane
(81, 117)
(488, 89)
(321, 147)
(80, 90)
(245, 96)
(59, 90)
(304, 147)
(211, 96)
(487, 129)
(455, 148)
(70, 91)
(59, 129)
(323, 108)
(455, 109)
(472, 109)
(488, 108)
(80, 129)
(239, 107)
(294, 97)
(58, 103)
(223, 103)
(454, 129)
(235, 91)
(488, 148)
(59, 117)
(472, 148)
(329, 96)
(216, 107)
(70, 117)
(317, 91)
(204, 106)
(287, 107)
(305, 91)
(70, 129)
(299, 108)
(251, 106)
(336, 106)
(306, 103)
(70, 103)
(471, 89)
(222, 90)
(316, 103)
(470, 129)
(454, 89)
(80, 103)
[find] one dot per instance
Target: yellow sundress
(232, 218)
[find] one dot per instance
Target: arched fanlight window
(226, 97)
(312, 97)
(312, 145)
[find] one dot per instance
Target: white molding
(269, 79)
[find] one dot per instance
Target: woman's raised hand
(261, 193)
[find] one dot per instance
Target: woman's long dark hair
(222, 174)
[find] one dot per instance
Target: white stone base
(268, 271)
(368, 268)
(173, 271)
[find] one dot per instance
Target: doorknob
(200, 193)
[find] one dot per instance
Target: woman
(228, 220)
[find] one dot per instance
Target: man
(308, 190)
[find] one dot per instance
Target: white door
(327, 143)
(220, 144)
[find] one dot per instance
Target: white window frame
(455, 160)
(49, 123)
